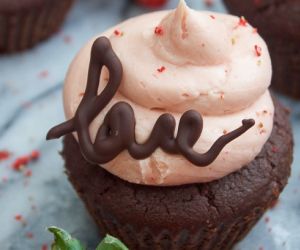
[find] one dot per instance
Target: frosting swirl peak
(190, 38)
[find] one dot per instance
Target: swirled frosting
(174, 61)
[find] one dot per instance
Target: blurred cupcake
(27, 22)
(279, 23)
(176, 143)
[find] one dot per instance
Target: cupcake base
(23, 26)
(213, 215)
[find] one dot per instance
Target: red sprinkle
(4, 155)
(29, 235)
(28, 173)
(118, 33)
(18, 217)
(20, 162)
(35, 154)
(263, 131)
(44, 247)
(212, 16)
(243, 21)
(267, 219)
(67, 39)
(43, 74)
(254, 30)
(161, 69)
(159, 30)
(257, 50)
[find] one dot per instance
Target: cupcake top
(175, 61)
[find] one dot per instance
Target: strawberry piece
(151, 3)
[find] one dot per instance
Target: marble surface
(30, 103)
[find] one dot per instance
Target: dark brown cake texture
(213, 215)
(278, 21)
(25, 23)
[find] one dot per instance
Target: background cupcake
(278, 22)
(25, 23)
(169, 200)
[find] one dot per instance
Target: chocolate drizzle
(117, 132)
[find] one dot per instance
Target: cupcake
(278, 22)
(172, 139)
(25, 23)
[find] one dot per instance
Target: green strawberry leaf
(111, 243)
(64, 241)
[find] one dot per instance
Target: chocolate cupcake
(279, 23)
(173, 140)
(25, 23)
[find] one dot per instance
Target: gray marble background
(30, 103)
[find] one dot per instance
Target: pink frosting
(195, 60)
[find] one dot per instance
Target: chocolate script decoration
(117, 132)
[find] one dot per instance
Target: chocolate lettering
(117, 133)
